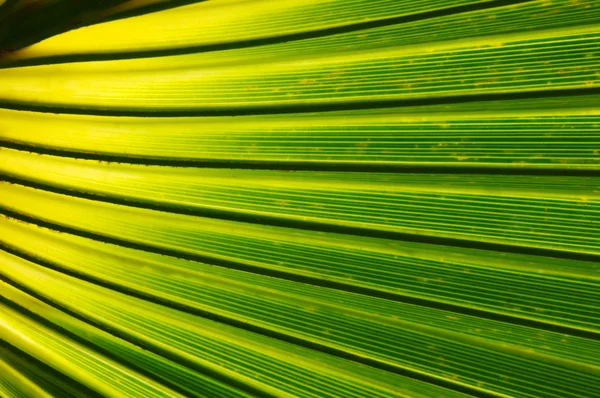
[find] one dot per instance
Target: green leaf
(304, 198)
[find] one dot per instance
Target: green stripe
(524, 62)
(560, 133)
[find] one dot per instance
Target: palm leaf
(305, 198)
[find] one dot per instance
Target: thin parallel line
(316, 106)
(311, 165)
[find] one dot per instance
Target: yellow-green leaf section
(303, 198)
